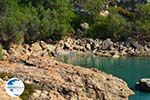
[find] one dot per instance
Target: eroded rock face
(58, 81)
(107, 47)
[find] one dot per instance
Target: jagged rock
(67, 45)
(106, 45)
(143, 84)
(51, 47)
(36, 47)
(60, 45)
(97, 45)
(43, 45)
(88, 46)
(116, 55)
(54, 95)
(64, 81)
(148, 44)
(79, 48)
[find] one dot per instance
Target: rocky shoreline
(53, 80)
(98, 47)
(106, 47)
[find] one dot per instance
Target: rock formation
(53, 80)
(108, 47)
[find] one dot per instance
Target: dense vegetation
(30, 20)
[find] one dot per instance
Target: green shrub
(30, 20)
(125, 13)
(29, 90)
(108, 27)
(94, 6)
(143, 11)
(142, 30)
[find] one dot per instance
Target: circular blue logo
(14, 87)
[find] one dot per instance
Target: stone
(51, 47)
(43, 45)
(38, 92)
(79, 48)
(84, 25)
(97, 44)
(45, 92)
(58, 81)
(104, 13)
(88, 46)
(116, 55)
(55, 96)
(106, 45)
(35, 95)
(143, 84)
(148, 44)
(44, 96)
(67, 45)
(36, 47)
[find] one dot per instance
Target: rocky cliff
(53, 80)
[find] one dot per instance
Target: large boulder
(106, 45)
(88, 46)
(148, 44)
(79, 48)
(48, 47)
(67, 45)
(143, 84)
(36, 47)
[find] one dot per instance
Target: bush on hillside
(98, 6)
(109, 27)
(143, 11)
(142, 30)
(31, 20)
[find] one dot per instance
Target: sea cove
(130, 69)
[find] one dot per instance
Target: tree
(111, 26)
(30, 20)
(143, 11)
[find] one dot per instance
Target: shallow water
(130, 69)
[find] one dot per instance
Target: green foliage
(143, 11)
(29, 89)
(125, 12)
(142, 30)
(6, 75)
(110, 26)
(122, 23)
(30, 20)
(89, 9)
(94, 7)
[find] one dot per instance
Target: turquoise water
(129, 69)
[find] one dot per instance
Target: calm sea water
(129, 69)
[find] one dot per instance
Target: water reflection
(129, 69)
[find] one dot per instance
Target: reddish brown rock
(64, 81)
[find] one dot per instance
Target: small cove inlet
(130, 69)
